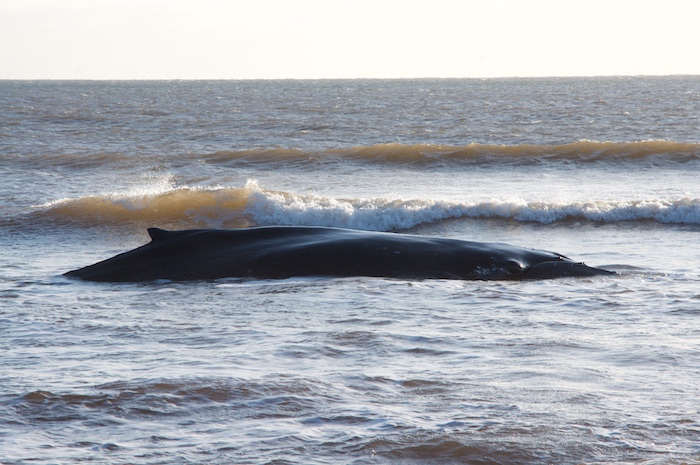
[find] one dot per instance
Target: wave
(186, 206)
(252, 205)
(583, 151)
(156, 397)
(419, 155)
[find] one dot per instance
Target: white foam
(283, 208)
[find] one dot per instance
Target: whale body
(284, 252)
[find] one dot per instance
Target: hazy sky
(237, 39)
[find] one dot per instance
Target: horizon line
(573, 76)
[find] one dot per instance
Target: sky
(313, 39)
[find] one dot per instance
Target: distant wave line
(425, 154)
(583, 151)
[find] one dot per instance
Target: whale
(280, 252)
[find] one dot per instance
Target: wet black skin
(284, 252)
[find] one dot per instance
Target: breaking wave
(252, 205)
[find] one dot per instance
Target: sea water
(354, 370)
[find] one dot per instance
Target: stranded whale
(283, 252)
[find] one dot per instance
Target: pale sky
(243, 39)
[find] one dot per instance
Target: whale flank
(285, 252)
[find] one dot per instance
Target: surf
(253, 205)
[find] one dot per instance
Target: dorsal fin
(157, 233)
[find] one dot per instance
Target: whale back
(283, 252)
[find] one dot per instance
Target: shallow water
(355, 370)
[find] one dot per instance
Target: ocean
(355, 370)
